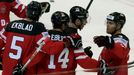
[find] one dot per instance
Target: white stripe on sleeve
(3, 36)
(80, 50)
(81, 57)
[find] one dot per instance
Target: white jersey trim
(80, 50)
(23, 7)
(3, 36)
(121, 41)
(81, 57)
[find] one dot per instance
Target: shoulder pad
(122, 39)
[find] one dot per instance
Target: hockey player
(65, 62)
(21, 39)
(78, 17)
(5, 7)
(59, 61)
(10, 5)
(15, 6)
(83, 57)
(116, 47)
(55, 44)
(18, 9)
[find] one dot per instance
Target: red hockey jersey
(118, 55)
(20, 39)
(65, 62)
(7, 6)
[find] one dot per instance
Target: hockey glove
(104, 68)
(106, 41)
(45, 7)
(17, 70)
(88, 51)
(75, 40)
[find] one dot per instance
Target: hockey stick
(132, 62)
(89, 4)
(115, 68)
(33, 55)
(130, 65)
(51, 0)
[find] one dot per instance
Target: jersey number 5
(16, 47)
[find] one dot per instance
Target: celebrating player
(18, 9)
(65, 62)
(116, 47)
(83, 57)
(10, 5)
(7, 6)
(20, 39)
(50, 63)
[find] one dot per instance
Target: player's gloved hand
(17, 70)
(104, 68)
(75, 40)
(106, 41)
(45, 7)
(88, 51)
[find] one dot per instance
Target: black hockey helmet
(34, 10)
(117, 18)
(78, 12)
(58, 18)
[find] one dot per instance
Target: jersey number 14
(63, 58)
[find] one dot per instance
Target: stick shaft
(32, 57)
(89, 4)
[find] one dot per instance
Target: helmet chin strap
(117, 29)
(113, 33)
(79, 26)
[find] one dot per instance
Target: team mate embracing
(65, 62)
(79, 55)
(20, 39)
(59, 61)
